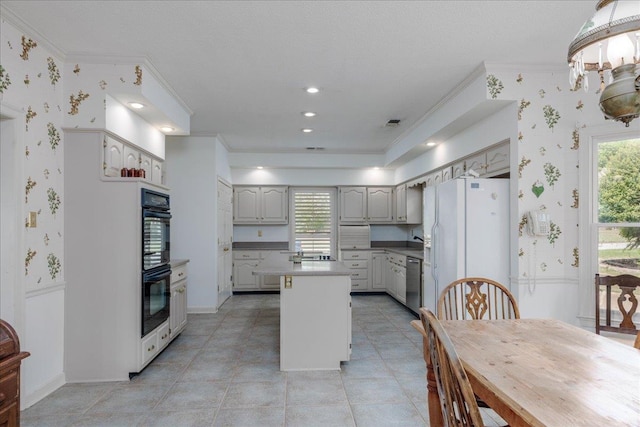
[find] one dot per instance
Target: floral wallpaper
(30, 81)
(549, 116)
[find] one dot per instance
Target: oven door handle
(157, 275)
(155, 214)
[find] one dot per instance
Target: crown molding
(477, 72)
(20, 24)
(526, 68)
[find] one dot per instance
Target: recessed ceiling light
(309, 114)
(260, 167)
(307, 130)
(167, 129)
(136, 105)
(312, 89)
(431, 144)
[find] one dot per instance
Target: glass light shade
(620, 50)
(612, 18)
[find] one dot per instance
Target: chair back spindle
(477, 298)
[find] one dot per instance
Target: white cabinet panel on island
(315, 313)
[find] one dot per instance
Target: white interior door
(225, 240)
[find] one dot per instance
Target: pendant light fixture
(610, 40)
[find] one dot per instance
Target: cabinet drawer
(9, 386)
(246, 254)
(357, 264)
(149, 347)
(359, 284)
(359, 274)
(355, 255)
(178, 273)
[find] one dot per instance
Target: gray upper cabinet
(260, 205)
(364, 205)
(353, 205)
(379, 204)
(408, 204)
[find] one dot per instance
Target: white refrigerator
(466, 228)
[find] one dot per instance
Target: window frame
(333, 191)
(588, 210)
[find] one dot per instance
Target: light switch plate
(32, 220)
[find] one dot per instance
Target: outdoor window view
(618, 225)
(619, 207)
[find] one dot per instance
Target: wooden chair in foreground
(457, 401)
(476, 298)
(622, 287)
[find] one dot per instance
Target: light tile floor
(223, 370)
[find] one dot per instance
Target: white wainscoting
(43, 371)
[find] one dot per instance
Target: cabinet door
(274, 205)
(157, 171)
(378, 271)
(401, 203)
(446, 174)
(458, 169)
(243, 277)
(498, 160)
(413, 203)
(390, 276)
(113, 157)
(181, 309)
(433, 178)
(478, 163)
(246, 205)
(353, 204)
(380, 204)
(145, 165)
(131, 158)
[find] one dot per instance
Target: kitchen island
(315, 313)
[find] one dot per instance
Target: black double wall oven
(156, 270)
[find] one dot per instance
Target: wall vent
(393, 123)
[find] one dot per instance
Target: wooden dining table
(542, 372)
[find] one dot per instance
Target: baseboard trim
(30, 399)
(201, 310)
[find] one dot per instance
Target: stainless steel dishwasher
(414, 284)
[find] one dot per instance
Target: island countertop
(305, 268)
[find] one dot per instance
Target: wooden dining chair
(476, 298)
(457, 401)
(636, 343)
(621, 288)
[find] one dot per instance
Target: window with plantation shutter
(314, 220)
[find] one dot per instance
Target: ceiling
(241, 66)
